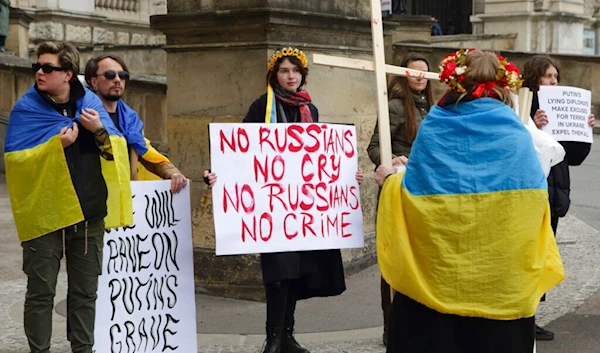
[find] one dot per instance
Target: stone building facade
(120, 26)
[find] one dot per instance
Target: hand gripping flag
(132, 128)
(466, 229)
(42, 195)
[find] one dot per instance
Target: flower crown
(453, 68)
(287, 51)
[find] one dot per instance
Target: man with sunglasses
(107, 75)
(57, 134)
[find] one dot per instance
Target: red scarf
(299, 99)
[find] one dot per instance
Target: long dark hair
(399, 88)
(535, 68)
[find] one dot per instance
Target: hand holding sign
(565, 113)
(285, 187)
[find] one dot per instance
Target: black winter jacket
(319, 273)
(559, 180)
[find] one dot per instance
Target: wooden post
(365, 65)
(378, 65)
(525, 98)
(385, 140)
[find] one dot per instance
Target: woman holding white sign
(542, 70)
(291, 276)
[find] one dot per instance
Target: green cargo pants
(83, 244)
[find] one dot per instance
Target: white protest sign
(386, 6)
(285, 187)
(146, 298)
(568, 109)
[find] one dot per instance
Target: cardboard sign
(146, 299)
(285, 187)
(568, 109)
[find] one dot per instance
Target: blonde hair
(482, 67)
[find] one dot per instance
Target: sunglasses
(111, 74)
(46, 68)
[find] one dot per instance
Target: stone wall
(140, 59)
(216, 64)
(89, 29)
(494, 42)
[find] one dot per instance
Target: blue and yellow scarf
(132, 128)
(42, 195)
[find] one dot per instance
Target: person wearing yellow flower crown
(464, 234)
(292, 276)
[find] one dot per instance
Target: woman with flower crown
(291, 276)
(464, 235)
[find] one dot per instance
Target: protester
(542, 70)
(59, 191)
(107, 76)
(295, 275)
(464, 235)
(409, 101)
(436, 29)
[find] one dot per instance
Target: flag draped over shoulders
(132, 128)
(42, 195)
(466, 229)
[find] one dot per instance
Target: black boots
(289, 342)
(274, 340)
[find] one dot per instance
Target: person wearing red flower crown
(464, 234)
(295, 275)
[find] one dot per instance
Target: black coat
(559, 180)
(320, 273)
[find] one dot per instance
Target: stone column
(217, 54)
(549, 26)
(18, 33)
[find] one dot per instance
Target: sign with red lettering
(285, 187)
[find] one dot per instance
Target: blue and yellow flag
(42, 194)
(466, 229)
(132, 128)
(271, 109)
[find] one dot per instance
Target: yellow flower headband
(287, 51)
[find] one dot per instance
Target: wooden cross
(378, 65)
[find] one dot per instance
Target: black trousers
(414, 328)
(554, 224)
(281, 303)
(386, 303)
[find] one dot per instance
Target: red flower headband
(453, 68)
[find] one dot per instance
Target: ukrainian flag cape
(42, 195)
(132, 128)
(466, 229)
